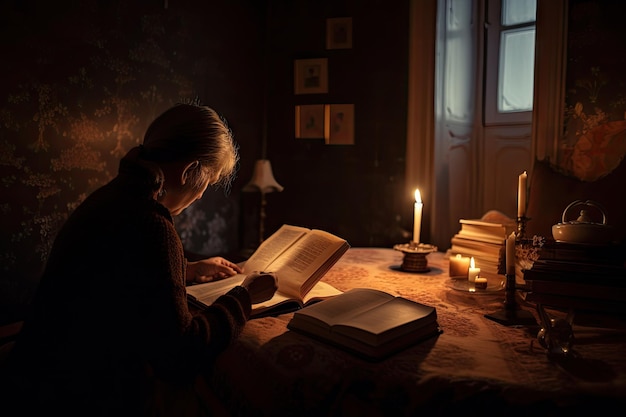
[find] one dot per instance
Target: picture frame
(310, 121)
(339, 33)
(311, 76)
(339, 124)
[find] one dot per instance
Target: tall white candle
(417, 216)
(473, 271)
(521, 194)
(510, 254)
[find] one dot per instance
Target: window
(510, 52)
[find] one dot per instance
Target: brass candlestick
(415, 256)
(521, 227)
(511, 315)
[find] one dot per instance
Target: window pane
(517, 63)
(458, 76)
(518, 11)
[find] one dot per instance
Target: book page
(486, 224)
(496, 238)
(300, 262)
(209, 292)
(273, 247)
(388, 321)
(337, 309)
(320, 291)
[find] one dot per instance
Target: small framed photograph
(339, 33)
(311, 76)
(339, 129)
(310, 121)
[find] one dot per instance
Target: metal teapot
(583, 230)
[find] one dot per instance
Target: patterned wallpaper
(81, 83)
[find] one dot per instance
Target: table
(475, 367)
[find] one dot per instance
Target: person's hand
(211, 269)
(260, 285)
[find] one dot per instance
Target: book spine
(582, 254)
(574, 289)
(576, 268)
(496, 240)
(480, 247)
(585, 303)
(564, 277)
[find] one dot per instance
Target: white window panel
(516, 70)
(515, 12)
(510, 61)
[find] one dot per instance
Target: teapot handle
(590, 203)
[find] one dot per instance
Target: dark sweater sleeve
(189, 342)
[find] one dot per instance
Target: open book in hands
(370, 323)
(299, 257)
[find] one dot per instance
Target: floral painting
(594, 141)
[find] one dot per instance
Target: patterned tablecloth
(475, 367)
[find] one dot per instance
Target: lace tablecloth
(475, 367)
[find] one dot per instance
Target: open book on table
(370, 323)
(298, 256)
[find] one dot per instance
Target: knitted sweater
(111, 310)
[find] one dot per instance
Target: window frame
(493, 33)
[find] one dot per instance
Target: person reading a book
(111, 332)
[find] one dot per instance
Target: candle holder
(521, 227)
(415, 256)
(512, 314)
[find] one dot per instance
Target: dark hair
(191, 132)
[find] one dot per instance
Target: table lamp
(264, 182)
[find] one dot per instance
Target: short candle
(481, 283)
(473, 271)
(459, 266)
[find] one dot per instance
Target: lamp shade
(263, 178)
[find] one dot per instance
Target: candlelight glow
(418, 196)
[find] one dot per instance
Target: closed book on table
(580, 272)
(486, 229)
(466, 245)
(577, 289)
(582, 302)
(610, 254)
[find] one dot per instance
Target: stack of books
(580, 276)
(485, 242)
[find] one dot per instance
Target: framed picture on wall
(339, 128)
(310, 121)
(339, 33)
(311, 76)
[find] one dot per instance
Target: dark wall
(82, 79)
(355, 191)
